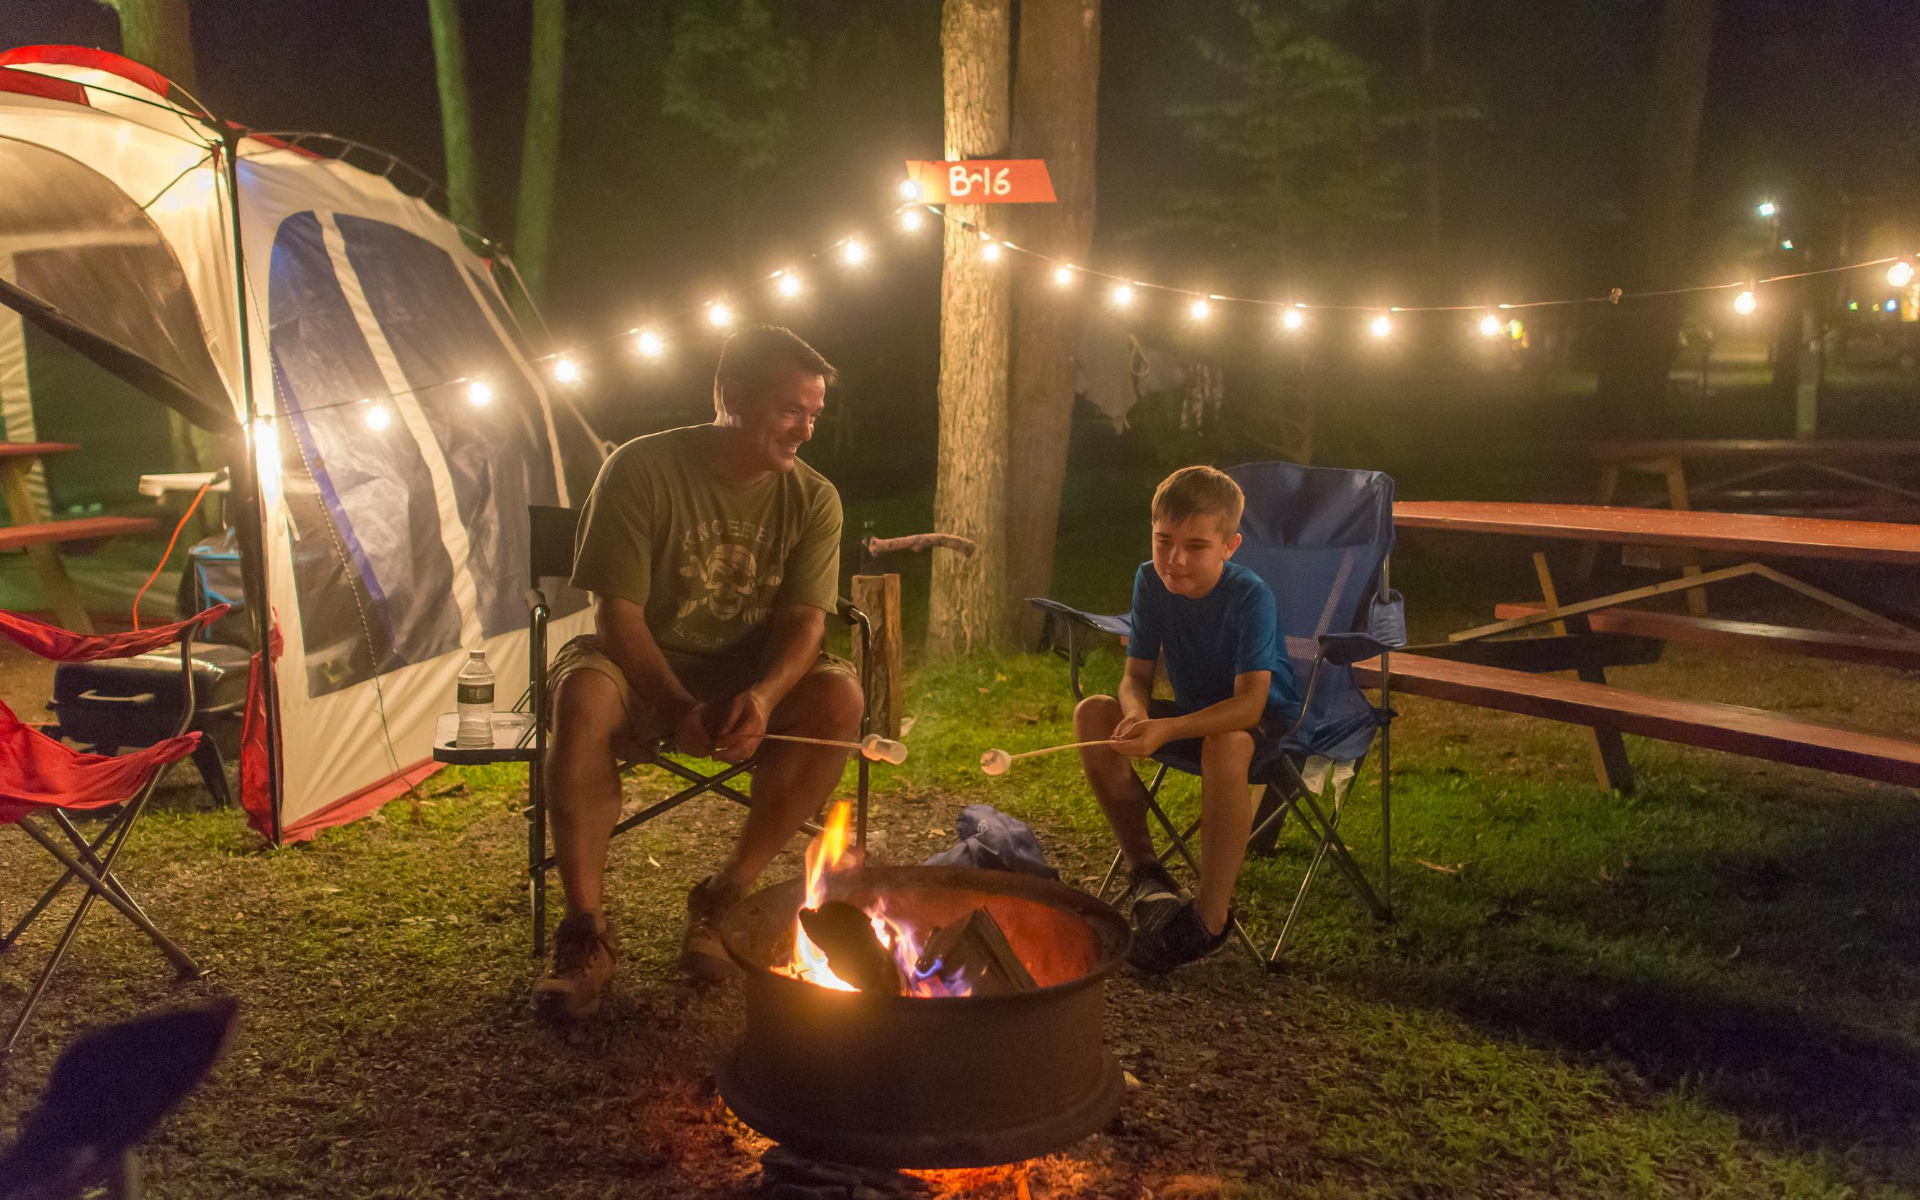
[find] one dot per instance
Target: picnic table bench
(1479, 666)
(41, 538)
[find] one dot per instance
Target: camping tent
(330, 330)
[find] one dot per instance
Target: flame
(827, 855)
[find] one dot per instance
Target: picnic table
(1755, 459)
(1481, 666)
(41, 538)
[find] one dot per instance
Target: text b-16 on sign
(981, 181)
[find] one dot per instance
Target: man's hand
(741, 728)
(690, 732)
(1137, 737)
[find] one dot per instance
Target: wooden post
(878, 596)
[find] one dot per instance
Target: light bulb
(1900, 274)
(1199, 310)
(1490, 325)
(648, 343)
(719, 314)
(1767, 208)
(910, 219)
(991, 251)
(1745, 302)
(1293, 319)
(378, 417)
(480, 393)
(1382, 326)
(909, 189)
(854, 253)
(1123, 295)
(789, 284)
(1063, 275)
(566, 370)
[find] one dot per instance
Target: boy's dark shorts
(1266, 734)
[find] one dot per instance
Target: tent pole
(253, 525)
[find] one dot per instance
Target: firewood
(853, 950)
(976, 950)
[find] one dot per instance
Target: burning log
(854, 951)
(976, 949)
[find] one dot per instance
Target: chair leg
(59, 885)
(96, 886)
(537, 855)
(1193, 864)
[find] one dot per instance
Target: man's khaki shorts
(714, 681)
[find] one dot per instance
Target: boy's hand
(1136, 738)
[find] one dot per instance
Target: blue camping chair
(1320, 538)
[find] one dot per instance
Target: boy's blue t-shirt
(1233, 629)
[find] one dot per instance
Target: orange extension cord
(171, 542)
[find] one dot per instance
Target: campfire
(850, 948)
(921, 1016)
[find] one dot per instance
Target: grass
(1707, 988)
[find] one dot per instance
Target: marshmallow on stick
(873, 746)
(997, 762)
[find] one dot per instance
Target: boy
(1233, 692)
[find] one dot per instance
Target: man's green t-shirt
(706, 559)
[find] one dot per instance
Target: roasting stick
(873, 746)
(996, 762)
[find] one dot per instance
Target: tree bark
(456, 113)
(540, 147)
(158, 33)
(1055, 118)
(968, 609)
(1638, 354)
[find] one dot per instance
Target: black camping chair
(1320, 538)
(521, 736)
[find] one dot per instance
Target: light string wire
(731, 298)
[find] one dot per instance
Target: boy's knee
(1233, 746)
(1096, 716)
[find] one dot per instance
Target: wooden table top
(1740, 533)
(1804, 448)
(35, 449)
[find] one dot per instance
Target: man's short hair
(753, 356)
(1200, 491)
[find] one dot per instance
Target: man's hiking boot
(1182, 939)
(1153, 896)
(584, 950)
(701, 954)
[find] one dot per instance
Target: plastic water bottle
(475, 699)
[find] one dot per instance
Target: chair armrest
(1345, 649)
(1120, 625)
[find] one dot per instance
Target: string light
(1382, 325)
(566, 370)
(378, 417)
(480, 393)
(853, 252)
(648, 343)
(1900, 274)
(1063, 274)
(719, 314)
(991, 251)
(1745, 302)
(1198, 310)
(1490, 325)
(1122, 295)
(787, 283)
(910, 219)
(1292, 319)
(909, 189)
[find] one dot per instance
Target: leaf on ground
(1453, 870)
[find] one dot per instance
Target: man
(713, 556)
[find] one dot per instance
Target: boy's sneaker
(701, 953)
(1182, 939)
(584, 950)
(1153, 896)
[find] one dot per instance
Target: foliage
(1296, 140)
(734, 75)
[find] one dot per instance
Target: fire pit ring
(903, 1081)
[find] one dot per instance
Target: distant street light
(1768, 208)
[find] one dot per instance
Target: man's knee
(587, 716)
(1095, 717)
(828, 704)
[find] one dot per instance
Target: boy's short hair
(1200, 491)
(752, 356)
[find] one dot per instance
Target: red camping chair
(39, 775)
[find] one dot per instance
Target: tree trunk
(968, 610)
(1054, 118)
(1638, 354)
(1430, 125)
(456, 114)
(540, 149)
(157, 33)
